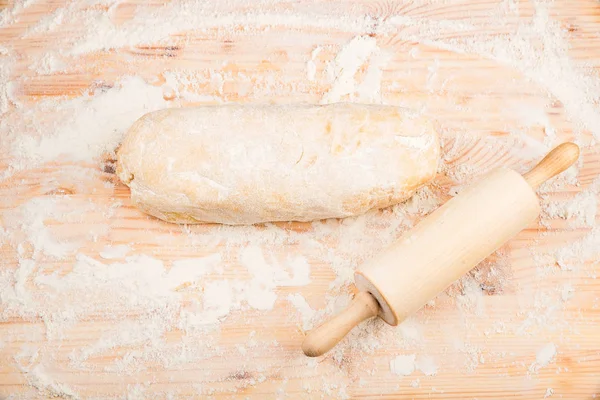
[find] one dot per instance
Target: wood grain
(484, 350)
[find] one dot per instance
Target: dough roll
(246, 164)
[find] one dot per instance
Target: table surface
(506, 81)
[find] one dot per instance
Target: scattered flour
(28, 223)
(407, 364)
(48, 64)
(167, 312)
(580, 210)
(410, 331)
(301, 305)
(543, 357)
(41, 380)
(585, 249)
(403, 365)
(266, 277)
(104, 117)
(345, 66)
(311, 66)
(5, 69)
(311, 70)
(427, 365)
(369, 90)
(118, 251)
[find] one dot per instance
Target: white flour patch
(90, 125)
(369, 90)
(427, 365)
(403, 365)
(581, 210)
(111, 252)
(32, 219)
(543, 357)
(268, 276)
(345, 66)
(301, 305)
(39, 378)
(311, 70)
(5, 69)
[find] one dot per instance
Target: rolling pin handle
(325, 337)
(555, 162)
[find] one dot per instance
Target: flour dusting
(92, 291)
(403, 365)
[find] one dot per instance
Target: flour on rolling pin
(249, 164)
(444, 246)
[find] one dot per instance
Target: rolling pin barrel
(448, 243)
(443, 247)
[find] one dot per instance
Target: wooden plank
(484, 342)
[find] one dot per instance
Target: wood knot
(109, 168)
(61, 191)
(100, 86)
(240, 376)
(108, 164)
(158, 51)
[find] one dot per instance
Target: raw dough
(242, 164)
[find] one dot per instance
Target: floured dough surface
(242, 164)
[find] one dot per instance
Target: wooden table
(502, 93)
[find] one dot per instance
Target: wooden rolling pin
(441, 248)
